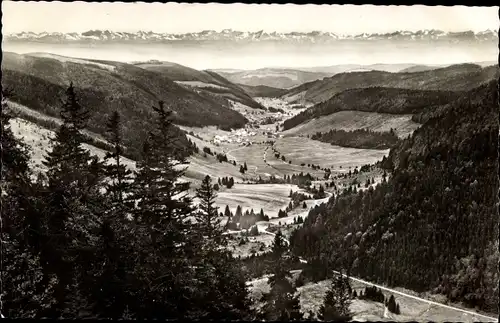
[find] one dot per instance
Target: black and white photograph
(249, 162)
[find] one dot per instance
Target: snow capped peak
(249, 36)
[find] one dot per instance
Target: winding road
(493, 319)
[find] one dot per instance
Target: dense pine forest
(432, 226)
(89, 239)
(359, 138)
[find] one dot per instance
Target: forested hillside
(206, 81)
(375, 99)
(433, 226)
(461, 77)
(262, 90)
(39, 84)
(274, 77)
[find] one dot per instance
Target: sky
(183, 18)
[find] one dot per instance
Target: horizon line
(251, 31)
(298, 68)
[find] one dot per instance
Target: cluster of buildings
(239, 136)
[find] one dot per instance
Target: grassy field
(285, 168)
(256, 245)
(261, 161)
(270, 197)
(352, 120)
(254, 157)
(304, 150)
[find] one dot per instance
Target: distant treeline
(359, 138)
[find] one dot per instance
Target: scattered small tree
(337, 301)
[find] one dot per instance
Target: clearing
(269, 197)
(352, 120)
(303, 150)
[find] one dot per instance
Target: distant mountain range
(241, 36)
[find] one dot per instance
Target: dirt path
(229, 156)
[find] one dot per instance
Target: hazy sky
(182, 18)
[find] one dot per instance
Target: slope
(282, 78)
(262, 91)
(352, 120)
(202, 81)
(38, 139)
(38, 82)
(375, 99)
(460, 77)
(444, 187)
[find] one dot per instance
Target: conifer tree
(224, 292)
(280, 303)
(109, 294)
(208, 221)
(164, 234)
(221, 289)
(119, 176)
(238, 214)
(227, 211)
(229, 182)
(392, 306)
(156, 182)
(73, 207)
(337, 301)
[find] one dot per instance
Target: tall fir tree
(208, 220)
(222, 289)
(337, 301)
(73, 208)
(238, 214)
(109, 293)
(281, 304)
(118, 175)
(162, 226)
